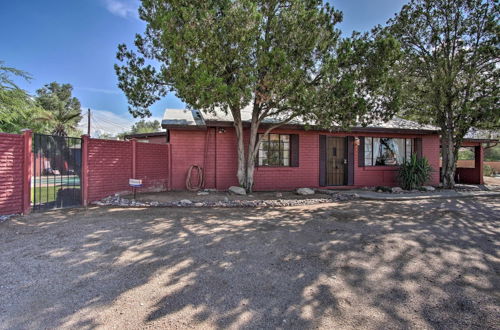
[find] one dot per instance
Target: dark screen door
(336, 161)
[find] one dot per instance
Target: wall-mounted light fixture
(356, 141)
(221, 130)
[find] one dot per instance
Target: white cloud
(103, 121)
(122, 8)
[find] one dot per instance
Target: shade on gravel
(355, 264)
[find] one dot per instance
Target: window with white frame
(387, 151)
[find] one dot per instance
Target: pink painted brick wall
(110, 167)
(386, 175)
(188, 148)
(152, 166)
(11, 173)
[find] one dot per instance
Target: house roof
(482, 135)
(183, 119)
(145, 135)
(196, 119)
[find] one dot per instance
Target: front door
(336, 161)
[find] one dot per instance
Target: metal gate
(56, 176)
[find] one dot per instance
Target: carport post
(85, 170)
(479, 162)
(27, 141)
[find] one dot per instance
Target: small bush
(413, 173)
(488, 170)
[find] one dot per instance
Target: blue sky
(75, 42)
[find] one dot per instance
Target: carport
(471, 171)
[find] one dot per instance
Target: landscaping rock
(5, 217)
(203, 193)
(237, 190)
(467, 187)
(305, 191)
(186, 202)
(428, 188)
(396, 190)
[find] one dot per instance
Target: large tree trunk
(238, 126)
(449, 152)
(252, 151)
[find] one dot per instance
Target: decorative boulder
(305, 191)
(186, 202)
(237, 190)
(428, 188)
(397, 190)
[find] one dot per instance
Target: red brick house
(293, 156)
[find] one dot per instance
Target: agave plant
(414, 172)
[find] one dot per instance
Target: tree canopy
(450, 70)
(18, 110)
(284, 58)
(63, 111)
(144, 126)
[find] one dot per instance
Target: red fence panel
(152, 166)
(14, 173)
(110, 164)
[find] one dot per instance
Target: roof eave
(215, 123)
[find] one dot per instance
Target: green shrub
(488, 170)
(414, 172)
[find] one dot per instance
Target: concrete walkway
(444, 194)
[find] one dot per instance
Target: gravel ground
(353, 264)
(224, 199)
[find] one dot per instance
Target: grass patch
(46, 194)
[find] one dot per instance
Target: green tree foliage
(18, 110)
(63, 112)
(107, 136)
(144, 126)
(466, 153)
(6, 76)
(450, 70)
(283, 58)
(492, 153)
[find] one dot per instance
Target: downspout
(204, 168)
(170, 169)
(215, 158)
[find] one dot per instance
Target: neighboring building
(293, 156)
(156, 137)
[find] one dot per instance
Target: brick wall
(471, 163)
(110, 165)
(220, 166)
(289, 178)
(14, 180)
(152, 166)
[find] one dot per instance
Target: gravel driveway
(357, 264)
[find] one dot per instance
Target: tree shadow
(353, 264)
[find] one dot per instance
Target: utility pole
(88, 122)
